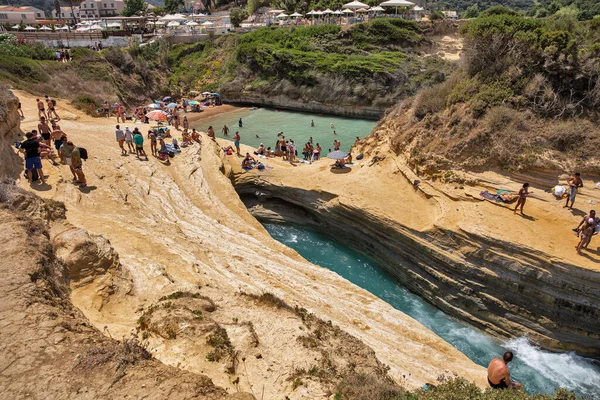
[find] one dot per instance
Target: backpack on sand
(83, 153)
(53, 102)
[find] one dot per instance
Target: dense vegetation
(131, 76)
(370, 64)
(362, 386)
(527, 96)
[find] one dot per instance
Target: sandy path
(182, 225)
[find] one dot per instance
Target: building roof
(16, 9)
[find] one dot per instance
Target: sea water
(267, 123)
(540, 371)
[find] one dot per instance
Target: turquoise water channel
(540, 371)
(266, 123)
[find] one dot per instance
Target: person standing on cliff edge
(499, 375)
(523, 193)
(574, 182)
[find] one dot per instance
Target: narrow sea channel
(540, 371)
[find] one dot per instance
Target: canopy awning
(397, 3)
(356, 4)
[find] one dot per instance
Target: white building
(65, 14)
(95, 9)
(16, 15)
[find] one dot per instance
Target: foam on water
(540, 371)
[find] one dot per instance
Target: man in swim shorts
(31, 148)
(499, 375)
(574, 182)
(44, 129)
(41, 109)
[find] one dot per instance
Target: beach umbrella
(193, 102)
(173, 17)
(328, 11)
(173, 24)
(311, 12)
(282, 15)
(160, 22)
(153, 106)
(397, 3)
(45, 28)
(377, 9)
(338, 12)
(296, 15)
(318, 12)
(157, 115)
(276, 11)
(166, 98)
(206, 93)
(96, 28)
(207, 23)
(356, 5)
(64, 28)
(30, 28)
(348, 11)
(192, 23)
(15, 26)
(337, 155)
(171, 105)
(362, 10)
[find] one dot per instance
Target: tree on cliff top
(134, 7)
(172, 6)
(237, 15)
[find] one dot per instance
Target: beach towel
(489, 196)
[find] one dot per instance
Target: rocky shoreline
(503, 288)
(285, 103)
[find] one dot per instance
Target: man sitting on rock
(499, 375)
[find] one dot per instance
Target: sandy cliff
(506, 274)
(9, 133)
(49, 349)
(186, 243)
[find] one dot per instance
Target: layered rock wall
(503, 288)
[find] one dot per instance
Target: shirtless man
(574, 183)
(57, 135)
(225, 130)
(41, 109)
(44, 129)
(211, 133)
(499, 375)
(51, 109)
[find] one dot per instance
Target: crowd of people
(590, 223)
(51, 142)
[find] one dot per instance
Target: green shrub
(87, 103)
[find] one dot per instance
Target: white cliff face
(183, 227)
